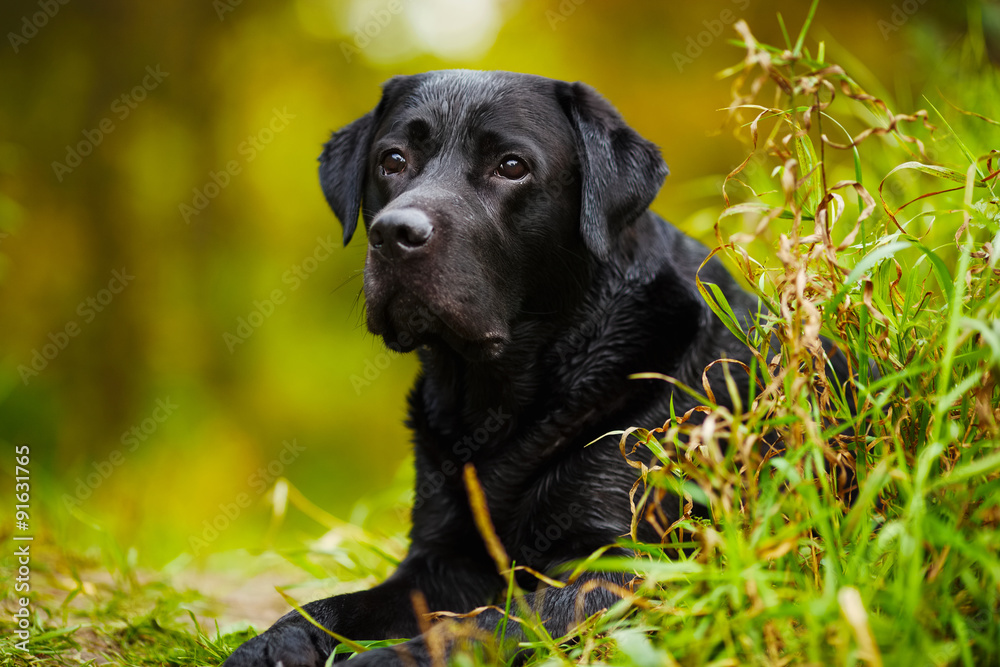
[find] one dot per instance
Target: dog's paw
(287, 646)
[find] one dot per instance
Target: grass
(873, 227)
(89, 612)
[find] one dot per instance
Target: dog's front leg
(383, 612)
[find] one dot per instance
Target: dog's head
(486, 196)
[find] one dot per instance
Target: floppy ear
(344, 161)
(342, 168)
(621, 171)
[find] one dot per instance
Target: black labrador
(511, 245)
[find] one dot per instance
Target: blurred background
(179, 326)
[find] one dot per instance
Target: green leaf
(967, 471)
(805, 28)
(716, 300)
(809, 164)
(933, 170)
(861, 268)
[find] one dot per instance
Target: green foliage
(798, 564)
(873, 538)
(92, 617)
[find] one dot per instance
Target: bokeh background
(179, 326)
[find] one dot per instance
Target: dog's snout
(397, 233)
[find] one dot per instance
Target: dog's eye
(512, 168)
(393, 163)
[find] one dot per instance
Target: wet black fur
(529, 308)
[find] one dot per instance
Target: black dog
(510, 243)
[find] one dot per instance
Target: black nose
(400, 232)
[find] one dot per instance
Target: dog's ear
(621, 171)
(344, 161)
